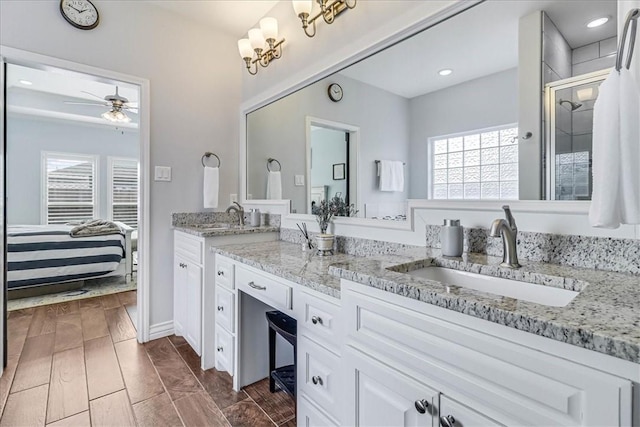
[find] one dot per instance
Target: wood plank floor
(79, 364)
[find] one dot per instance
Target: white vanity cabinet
(225, 295)
(401, 354)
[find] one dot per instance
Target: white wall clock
(81, 14)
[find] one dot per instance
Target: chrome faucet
(239, 210)
(508, 231)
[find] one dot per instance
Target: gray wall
(476, 104)
(195, 79)
(278, 130)
(328, 147)
(28, 137)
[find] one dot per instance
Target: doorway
(75, 148)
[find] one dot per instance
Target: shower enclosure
(569, 127)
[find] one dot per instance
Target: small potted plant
(325, 211)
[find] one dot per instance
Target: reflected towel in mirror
(210, 187)
(274, 185)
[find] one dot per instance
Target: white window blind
(69, 187)
(123, 187)
(475, 165)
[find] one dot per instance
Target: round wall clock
(335, 92)
(80, 13)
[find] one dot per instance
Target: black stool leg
(272, 358)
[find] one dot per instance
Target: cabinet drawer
(308, 415)
(318, 375)
(188, 247)
(224, 350)
(320, 320)
(460, 415)
(225, 306)
(224, 272)
(267, 290)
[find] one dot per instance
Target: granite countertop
(203, 231)
(604, 317)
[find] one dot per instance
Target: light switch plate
(162, 173)
(299, 180)
(233, 198)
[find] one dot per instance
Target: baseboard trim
(160, 330)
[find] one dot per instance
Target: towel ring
(209, 154)
(269, 160)
(632, 19)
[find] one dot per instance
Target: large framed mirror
(495, 103)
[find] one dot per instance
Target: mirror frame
(297, 82)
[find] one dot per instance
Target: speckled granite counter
(200, 231)
(604, 317)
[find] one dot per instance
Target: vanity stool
(285, 376)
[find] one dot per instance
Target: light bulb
(256, 38)
(302, 6)
(269, 27)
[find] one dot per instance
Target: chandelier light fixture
(262, 46)
(329, 9)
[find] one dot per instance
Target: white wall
(278, 130)
(195, 79)
(28, 137)
(456, 109)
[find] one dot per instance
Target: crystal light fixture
(252, 49)
(329, 9)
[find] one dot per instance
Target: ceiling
(234, 17)
(476, 43)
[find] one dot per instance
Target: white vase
(325, 242)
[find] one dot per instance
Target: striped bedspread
(44, 254)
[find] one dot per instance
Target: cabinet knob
(315, 320)
(183, 265)
(258, 287)
(422, 405)
(316, 380)
(220, 273)
(447, 421)
(220, 308)
(220, 349)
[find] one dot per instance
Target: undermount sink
(539, 294)
(213, 226)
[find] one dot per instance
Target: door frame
(9, 55)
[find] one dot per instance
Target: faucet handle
(510, 219)
(239, 206)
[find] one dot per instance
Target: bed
(40, 255)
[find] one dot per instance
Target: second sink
(539, 294)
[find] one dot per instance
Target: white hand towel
(274, 185)
(210, 187)
(629, 149)
(391, 175)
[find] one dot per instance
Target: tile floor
(78, 364)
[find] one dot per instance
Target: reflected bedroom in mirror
(495, 103)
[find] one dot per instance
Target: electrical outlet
(162, 173)
(299, 180)
(233, 199)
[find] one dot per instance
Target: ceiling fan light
(116, 116)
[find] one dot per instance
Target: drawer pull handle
(220, 308)
(220, 273)
(315, 320)
(258, 287)
(447, 421)
(422, 406)
(316, 380)
(220, 349)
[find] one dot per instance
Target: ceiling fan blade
(132, 109)
(93, 94)
(87, 103)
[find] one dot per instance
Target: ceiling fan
(115, 102)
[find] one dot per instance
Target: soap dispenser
(451, 238)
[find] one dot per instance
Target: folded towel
(391, 175)
(96, 227)
(210, 187)
(274, 185)
(616, 153)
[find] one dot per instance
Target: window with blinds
(123, 190)
(69, 187)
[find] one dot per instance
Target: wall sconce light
(252, 50)
(328, 10)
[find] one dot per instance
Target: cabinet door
(193, 328)
(384, 396)
(179, 295)
(308, 415)
(454, 414)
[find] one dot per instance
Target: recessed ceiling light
(25, 82)
(598, 22)
(445, 72)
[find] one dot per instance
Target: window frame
(431, 159)
(44, 189)
(111, 160)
